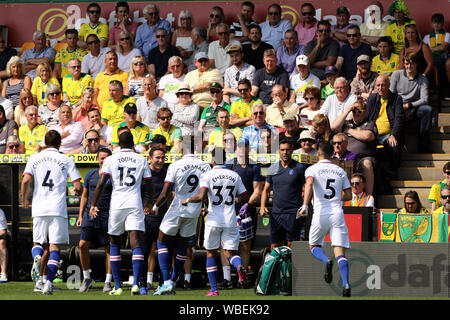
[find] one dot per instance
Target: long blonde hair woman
(40, 83)
(25, 100)
(126, 50)
(17, 81)
(138, 71)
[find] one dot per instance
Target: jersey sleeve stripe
(165, 181)
(204, 188)
(27, 174)
(105, 173)
(242, 193)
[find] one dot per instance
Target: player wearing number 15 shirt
(183, 177)
(330, 185)
(49, 169)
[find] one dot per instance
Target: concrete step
(424, 163)
(443, 119)
(423, 191)
(426, 156)
(436, 146)
(396, 201)
(413, 184)
(420, 173)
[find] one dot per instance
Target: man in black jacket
(386, 109)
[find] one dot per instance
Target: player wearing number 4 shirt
(49, 171)
(330, 185)
(183, 176)
(221, 186)
(127, 170)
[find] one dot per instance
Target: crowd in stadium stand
(355, 86)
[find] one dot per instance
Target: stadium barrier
(377, 269)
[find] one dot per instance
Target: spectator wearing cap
(171, 133)
(254, 51)
(240, 110)
(238, 70)
(90, 143)
(287, 53)
(218, 50)
(199, 44)
(307, 142)
(362, 137)
(307, 28)
(32, 134)
(322, 51)
(349, 53)
(374, 27)
(139, 130)
(292, 131)
(396, 28)
(112, 110)
(150, 103)
(72, 133)
(200, 80)
(363, 85)
(331, 74)
(386, 61)
(185, 112)
(335, 104)
(159, 56)
(7, 129)
(280, 107)
(12, 145)
(216, 135)
(169, 84)
(266, 78)
(302, 80)
(252, 132)
(208, 118)
(274, 28)
(342, 23)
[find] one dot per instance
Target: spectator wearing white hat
(302, 80)
(363, 85)
(307, 142)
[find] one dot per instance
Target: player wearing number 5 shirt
(221, 186)
(183, 177)
(127, 170)
(330, 186)
(49, 170)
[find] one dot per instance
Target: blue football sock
(164, 259)
(52, 265)
(235, 261)
(178, 265)
(211, 270)
(115, 261)
(343, 269)
(318, 253)
(138, 263)
(37, 250)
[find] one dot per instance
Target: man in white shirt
(183, 177)
(49, 170)
(221, 186)
(335, 104)
(127, 170)
(94, 62)
(330, 186)
(217, 51)
(170, 83)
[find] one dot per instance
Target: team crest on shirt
(291, 172)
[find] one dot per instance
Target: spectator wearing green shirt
(331, 74)
(171, 133)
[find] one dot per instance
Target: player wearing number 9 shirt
(183, 176)
(330, 185)
(49, 170)
(221, 186)
(127, 170)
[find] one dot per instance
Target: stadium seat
(26, 46)
(60, 45)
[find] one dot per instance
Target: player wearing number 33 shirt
(49, 170)
(328, 181)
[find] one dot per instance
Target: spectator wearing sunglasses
(94, 26)
(307, 28)
(307, 142)
(340, 143)
(445, 200)
(90, 144)
(126, 51)
(274, 28)
(360, 196)
(12, 145)
(252, 132)
(414, 206)
(218, 50)
(94, 62)
(159, 56)
(240, 111)
(435, 193)
(7, 129)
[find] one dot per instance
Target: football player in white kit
(221, 186)
(183, 177)
(330, 185)
(127, 170)
(49, 170)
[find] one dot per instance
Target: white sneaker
(3, 278)
(36, 269)
(48, 288)
(39, 286)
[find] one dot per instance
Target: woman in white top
(312, 98)
(182, 38)
(185, 113)
(170, 83)
(126, 50)
(138, 71)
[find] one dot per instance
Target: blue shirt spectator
(273, 30)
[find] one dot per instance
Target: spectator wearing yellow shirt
(32, 133)
(241, 109)
(435, 193)
(216, 136)
(171, 133)
(94, 26)
(103, 79)
(64, 55)
(74, 83)
(412, 204)
(445, 201)
(40, 83)
(139, 130)
(386, 61)
(112, 111)
(396, 28)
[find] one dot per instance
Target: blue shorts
(95, 231)
(285, 227)
(151, 230)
